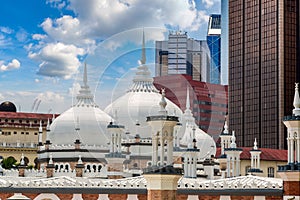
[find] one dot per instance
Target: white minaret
(190, 157)
(116, 131)
(293, 128)
(233, 158)
(225, 137)
(48, 130)
(162, 134)
(255, 159)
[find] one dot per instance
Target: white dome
(204, 142)
(140, 101)
(86, 117)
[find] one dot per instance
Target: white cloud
(14, 64)
(74, 90)
(50, 96)
(38, 36)
(56, 3)
(6, 30)
(58, 60)
(210, 3)
(37, 80)
(22, 35)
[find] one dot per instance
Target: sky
(45, 43)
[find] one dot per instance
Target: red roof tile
(21, 115)
(266, 154)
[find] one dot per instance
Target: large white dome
(84, 121)
(140, 101)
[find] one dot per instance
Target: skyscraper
(214, 45)
(182, 55)
(263, 37)
(224, 42)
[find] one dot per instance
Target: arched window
(270, 171)
(99, 168)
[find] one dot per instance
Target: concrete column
(228, 165)
(170, 151)
(154, 151)
(162, 152)
(292, 150)
(79, 170)
(289, 149)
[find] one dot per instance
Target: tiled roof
(266, 154)
(22, 115)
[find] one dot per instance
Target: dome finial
(296, 103)
(163, 102)
(255, 144)
(40, 128)
(79, 160)
(226, 131)
(143, 57)
(233, 144)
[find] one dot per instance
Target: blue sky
(44, 43)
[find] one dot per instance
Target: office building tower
(263, 38)
(182, 55)
(214, 44)
(224, 42)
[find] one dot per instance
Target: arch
(46, 196)
(56, 167)
(100, 167)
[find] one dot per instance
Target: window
(247, 169)
(270, 171)
(15, 132)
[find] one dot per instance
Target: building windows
(270, 171)
(247, 169)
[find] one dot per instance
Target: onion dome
(84, 121)
(190, 131)
(7, 106)
(140, 101)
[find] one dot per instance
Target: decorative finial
(226, 131)
(233, 144)
(85, 76)
(187, 104)
(143, 57)
(79, 160)
(48, 125)
(255, 144)
(296, 103)
(50, 159)
(40, 128)
(163, 102)
(22, 160)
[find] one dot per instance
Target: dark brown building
(208, 101)
(262, 69)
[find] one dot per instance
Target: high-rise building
(214, 44)
(208, 101)
(224, 42)
(263, 38)
(182, 55)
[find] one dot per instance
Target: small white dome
(140, 101)
(84, 121)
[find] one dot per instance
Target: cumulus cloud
(50, 96)
(58, 60)
(6, 30)
(74, 90)
(14, 64)
(108, 17)
(210, 3)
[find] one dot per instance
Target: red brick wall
(117, 196)
(206, 197)
(142, 196)
(181, 197)
(242, 197)
(31, 195)
(65, 196)
(291, 188)
(90, 196)
(161, 194)
(273, 198)
(5, 195)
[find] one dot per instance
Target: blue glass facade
(214, 45)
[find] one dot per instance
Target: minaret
(162, 135)
(225, 137)
(190, 158)
(233, 158)
(290, 173)
(255, 160)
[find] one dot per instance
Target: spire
(233, 144)
(85, 96)
(296, 102)
(143, 57)
(187, 104)
(143, 81)
(163, 103)
(255, 144)
(48, 125)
